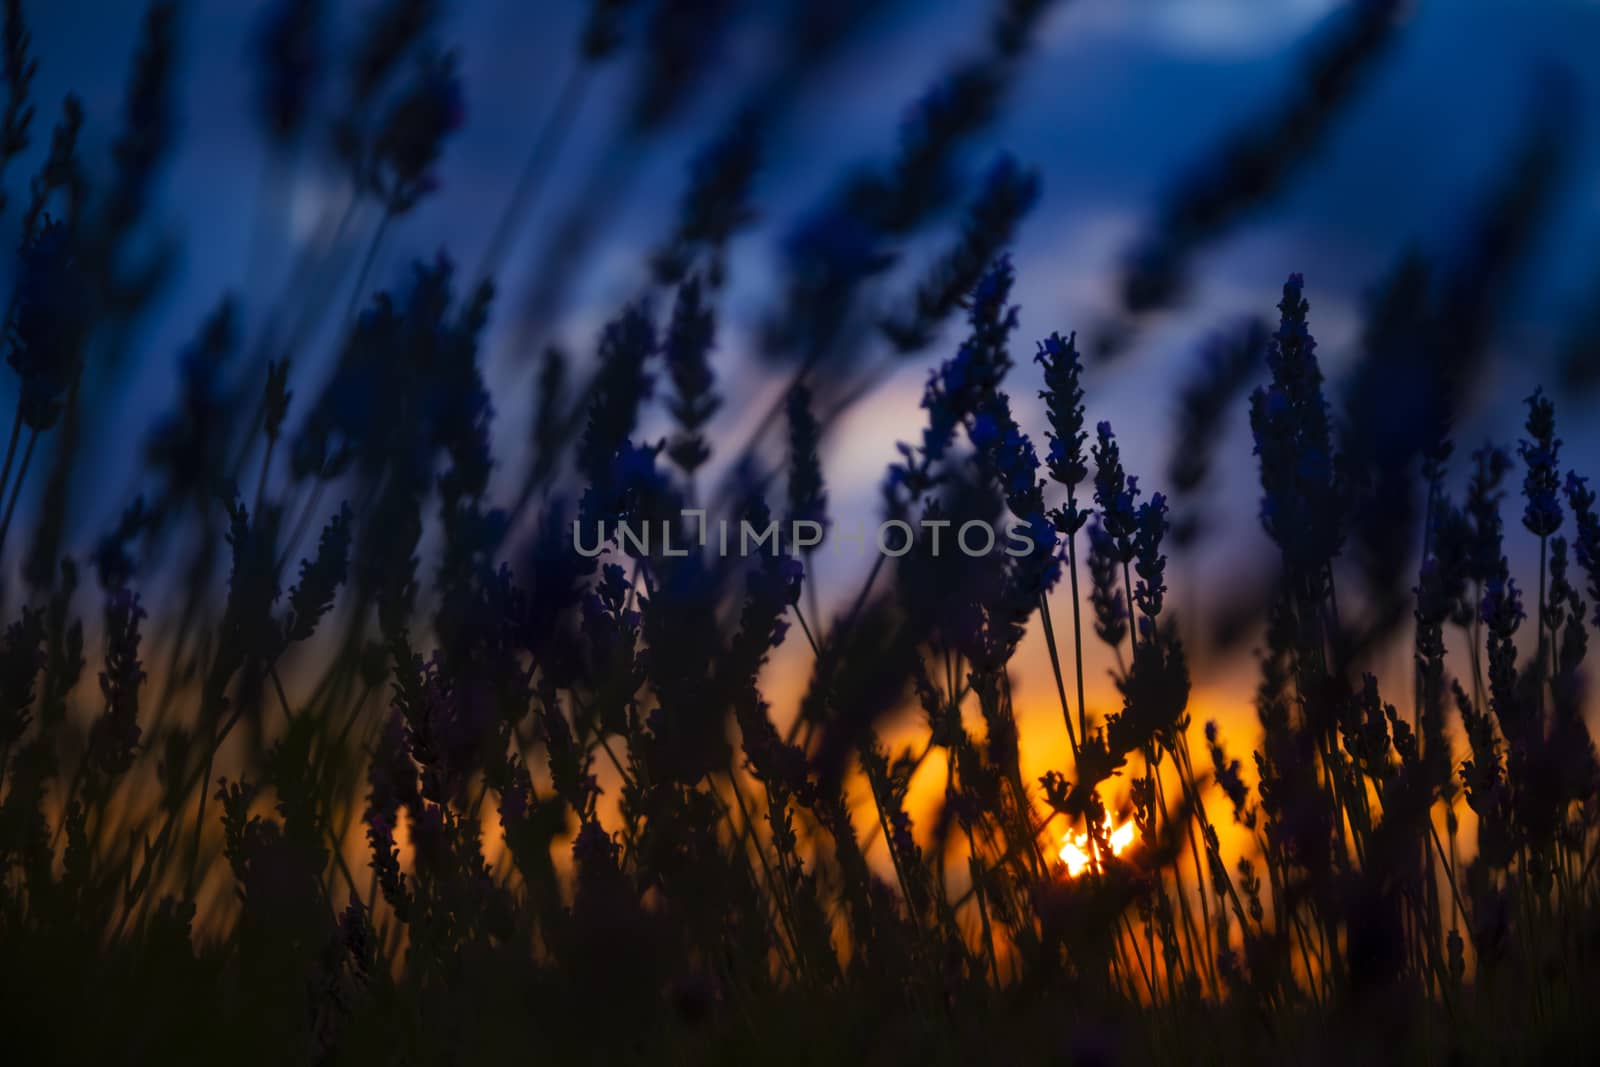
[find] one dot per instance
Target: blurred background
(1441, 155)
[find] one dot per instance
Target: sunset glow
(1076, 847)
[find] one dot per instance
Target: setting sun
(1075, 847)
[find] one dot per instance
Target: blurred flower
(679, 48)
(289, 50)
(312, 597)
(392, 28)
(148, 124)
(1586, 544)
(715, 206)
(1300, 508)
(1227, 362)
(21, 658)
(1541, 451)
(808, 497)
(685, 352)
(1490, 465)
(112, 562)
(189, 446)
(621, 387)
(602, 31)
(954, 390)
(117, 732)
(1007, 193)
(49, 324)
(411, 136)
(1253, 163)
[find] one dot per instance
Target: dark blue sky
(1117, 98)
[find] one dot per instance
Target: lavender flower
(1502, 614)
(1490, 465)
(808, 498)
(1300, 503)
(289, 44)
(147, 125)
(409, 141)
(1227, 775)
(1149, 563)
(187, 445)
(1253, 163)
(954, 390)
(20, 660)
(602, 30)
(1009, 456)
(685, 353)
(716, 205)
(1007, 193)
(621, 387)
(1063, 397)
(679, 47)
(1541, 451)
(47, 331)
(18, 72)
(1110, 609)
(1586, 544)
(1227, 363)
(1115, 492)
(312, 597)
(117, 731)
(393, 28)
(112, 562)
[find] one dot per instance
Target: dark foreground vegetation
(334, 749)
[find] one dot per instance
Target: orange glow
(1075, 847)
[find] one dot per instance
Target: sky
(1116, 99)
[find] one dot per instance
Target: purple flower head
(1300, 505)
(1149, 563)
(1007, 454)
(1540, 451)
(956, 390)
(989, 296)
(1502, 610)
(1063, 396)
(1115, 492)
(984, 432)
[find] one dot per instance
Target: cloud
(1211, 28)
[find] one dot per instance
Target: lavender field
(799, 531)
